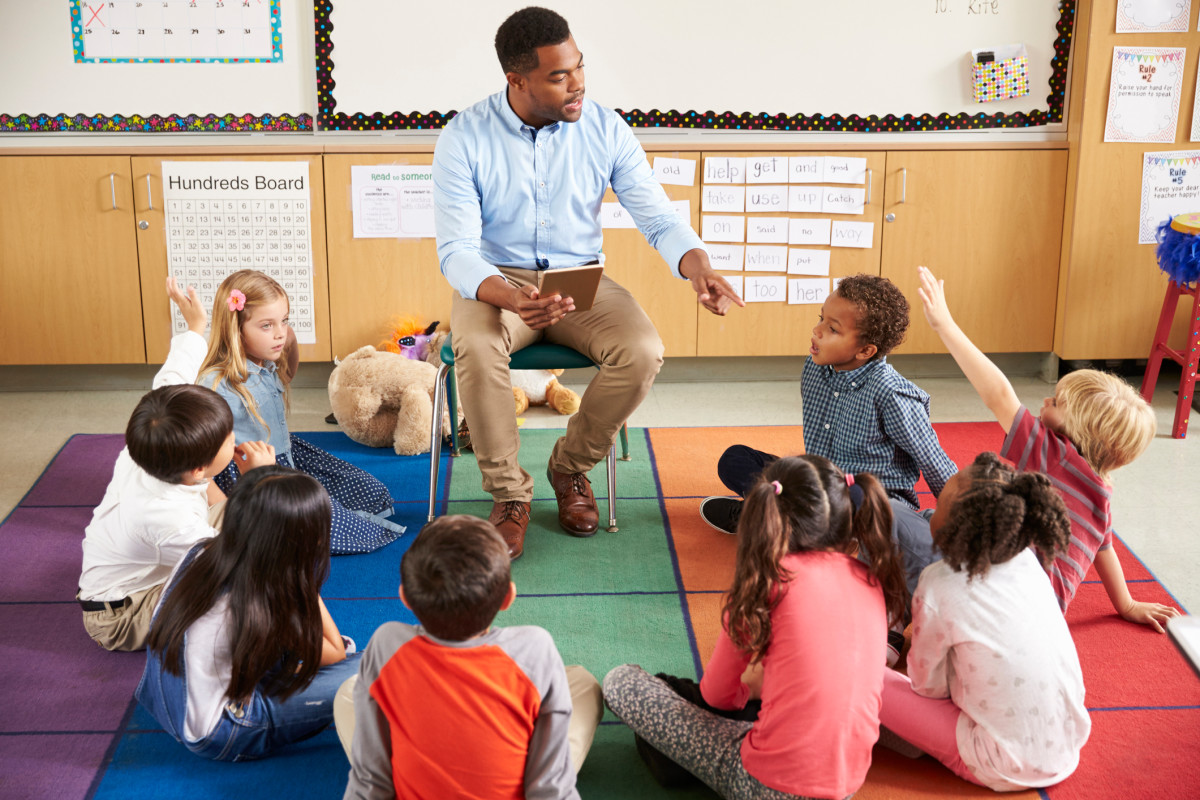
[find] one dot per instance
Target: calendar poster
(223, 216)
(174, 31)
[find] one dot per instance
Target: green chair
(540, 355)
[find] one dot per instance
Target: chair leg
(1159, 345)
(452, 393)
(611, 466)
(435, 438)
(625, 442)
(1187, 383)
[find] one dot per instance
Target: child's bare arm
(189, 305)
(215, 495)
(993, 388)
(1153, 614)
(333, 649)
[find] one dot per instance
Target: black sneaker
(721, 513)
(895, 647)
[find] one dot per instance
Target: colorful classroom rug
(647, 594)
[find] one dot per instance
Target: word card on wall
(224, 31)
(223, 216)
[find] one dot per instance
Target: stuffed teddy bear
(383, 399)
(535, 387)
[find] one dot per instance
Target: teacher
(518, 182)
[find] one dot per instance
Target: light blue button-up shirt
(510, 195)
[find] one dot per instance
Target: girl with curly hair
(994, 690)
(805, 625)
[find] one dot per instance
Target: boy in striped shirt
(1092, 425)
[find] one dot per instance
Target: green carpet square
(613, 769)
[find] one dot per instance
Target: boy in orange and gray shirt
(453, 707)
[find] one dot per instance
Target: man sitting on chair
(518, 183)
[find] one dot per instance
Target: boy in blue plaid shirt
(859, 413)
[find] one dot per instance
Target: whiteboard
(406, 62)
(41, 78)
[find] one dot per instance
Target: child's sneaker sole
(721, 513)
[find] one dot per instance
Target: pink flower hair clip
(237, 300)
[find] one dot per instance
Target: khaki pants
(615, 333)
(124, 628)
(127, 628)
(587, 706)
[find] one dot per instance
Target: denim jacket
(267, 389)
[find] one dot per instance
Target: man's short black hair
(176, 429)
(523, 33)
(456, 575)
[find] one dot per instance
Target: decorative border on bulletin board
(328, 119)
(77, 30)
(154, 123)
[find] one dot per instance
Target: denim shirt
(266, 388)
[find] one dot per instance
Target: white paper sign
(767, 230)
(735, 281)
(1195, 137)
(675, 171)
(683, 208)
(807, 291)
(806, 169)
(767, 198)
(845, 170)
(1137, 16)
(765, 289)
(802, 261)
(808, 231)
(842, 200)
(726, 256)
(392, 201)
(718, 228)
(766, 258)
(222, 216)
(1143, 97)
(1170, 186)
(805, 199)
(767, 169)
(721, 169)
(852, 234)
(723, 199)
(614, 215)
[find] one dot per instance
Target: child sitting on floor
(860, 414)
(252, 358)
(1092, 425)
(817, 669)
(243, 657)
(994, 690)
(158, 504)
(454, 707)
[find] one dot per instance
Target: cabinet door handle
(149, 194)
(903, 185)
(112, 185)
(869, 176)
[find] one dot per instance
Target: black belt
(103, 605)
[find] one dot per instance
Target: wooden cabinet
(779, 329)
(69, 291)
(152, 251)
(373, 280)
(630, 261)
(990, 223)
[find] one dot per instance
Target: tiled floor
(1156, 509)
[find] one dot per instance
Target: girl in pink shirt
(805, 626)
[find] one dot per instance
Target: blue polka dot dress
(360, 501)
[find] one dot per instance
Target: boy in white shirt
(158, 504)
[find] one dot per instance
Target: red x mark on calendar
(95, 15)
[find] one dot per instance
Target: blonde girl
(252, 358)
(805, 630)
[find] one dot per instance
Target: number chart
(225, 31)
(229, 215)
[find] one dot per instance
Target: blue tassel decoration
(1178, 254)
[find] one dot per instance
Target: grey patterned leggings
(704, 744)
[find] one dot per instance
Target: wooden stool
(1188, 225)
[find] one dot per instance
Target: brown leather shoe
(576, 505)
(511, 518)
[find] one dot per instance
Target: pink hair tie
(778, 487)
(237, 300)
(849, 479)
